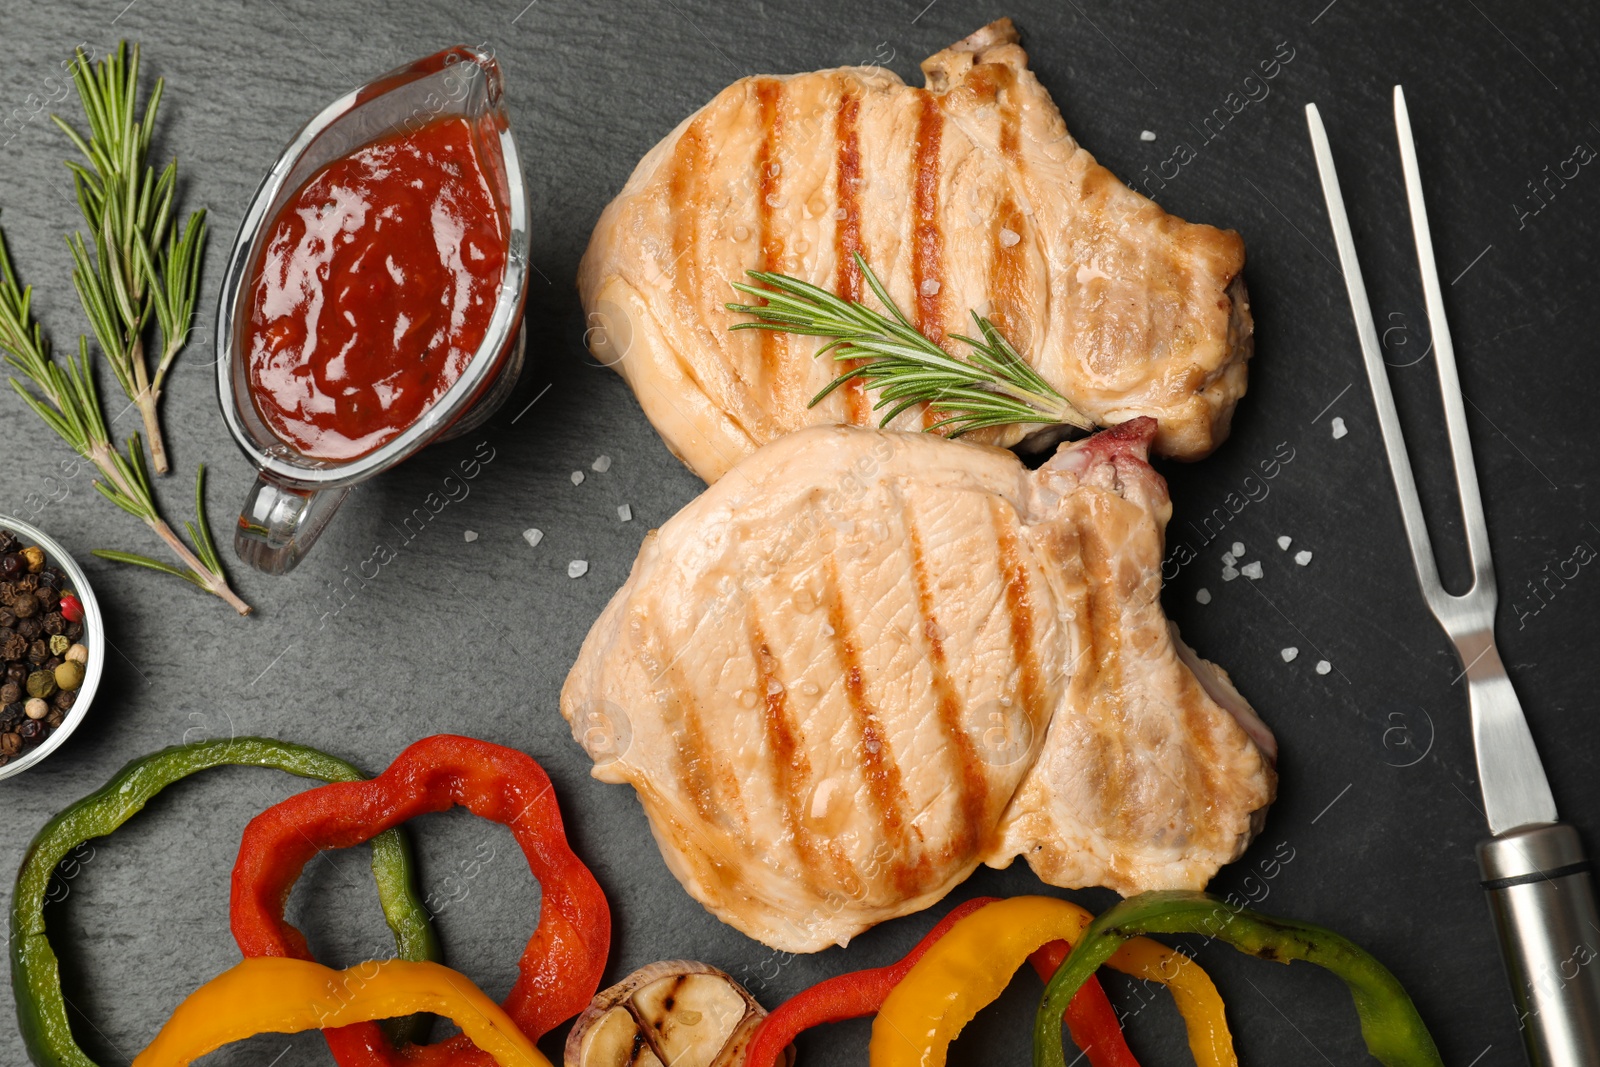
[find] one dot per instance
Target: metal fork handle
(1542, 896)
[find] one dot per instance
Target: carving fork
(1540, 889)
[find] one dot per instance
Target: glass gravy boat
(295, 495)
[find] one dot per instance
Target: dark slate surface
(1378, 807)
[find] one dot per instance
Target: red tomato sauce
(374, 290)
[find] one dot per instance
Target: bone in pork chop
(866, 661)
(966, 194)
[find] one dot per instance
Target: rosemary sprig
(134, 264)
(993, 386)
(63, 393)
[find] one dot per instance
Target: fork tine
(1394, 442)
(1444, 356)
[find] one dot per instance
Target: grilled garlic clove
(676, 1012)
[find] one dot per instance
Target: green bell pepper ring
(1393, 1030)
(35, 972)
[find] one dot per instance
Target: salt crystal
(1147, 135)
(774, 686)
(1229, 559)
(1229, 574)
(1204, 596)
(1238, 549)
(930, 287)
(577, 477)
(1303, 556)
(624, 512)
(1323, 666)
(1285, 542)
(1289, 654)
(1338, 428)
(1009, 237)
(577, 568)
(1252, 570)
(469, 536)
(841, 214)
(533, 536)
(601, 464)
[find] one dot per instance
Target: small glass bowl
(94, 637)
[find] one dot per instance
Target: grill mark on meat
(973, 800)
(927, 240)
(691, 750)
(878, 765)
(1019, 613)
(1008, 268)
(685, 188)
(791, 767)
(1103, 631)
(1201, 795)
(769, 97)
(847, 236)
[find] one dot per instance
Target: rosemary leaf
(145, 561)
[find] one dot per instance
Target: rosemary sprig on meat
(63, 393)
(135, 263)
(992, 386)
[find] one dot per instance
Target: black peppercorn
(52, 663)
(13, 647)
(54, 623)
(64, 699)
(48, 596)
(11, 714)
(30, 730)
(27, 583)
(25, 605)
(38, 652)
(51, 578)
(16, 672)
(8, 541)
(55, 718)
(10, 693)
(30, 628)
(8, 618)
(74, 630)
(10, 743)
(11, 565)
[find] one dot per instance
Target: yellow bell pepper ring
(272, 994)
(969, 967)
(1192, 991)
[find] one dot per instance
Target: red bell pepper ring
(561, 967)
(1090, 1019)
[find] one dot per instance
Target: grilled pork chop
(866, 661)
(966, 194)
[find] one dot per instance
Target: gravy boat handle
(278, 524)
